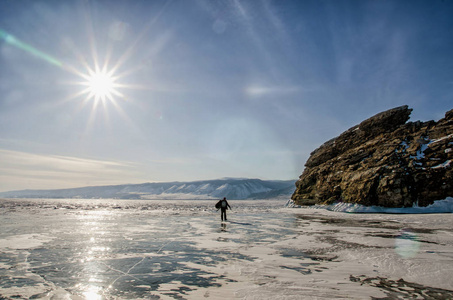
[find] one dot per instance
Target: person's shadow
(240, 223)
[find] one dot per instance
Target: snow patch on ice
(24, 241)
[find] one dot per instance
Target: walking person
(223, 205)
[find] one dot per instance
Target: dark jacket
(224, 205)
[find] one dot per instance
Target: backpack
(218, 204)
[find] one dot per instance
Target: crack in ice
(124, 274)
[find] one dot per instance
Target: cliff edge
(383, 161)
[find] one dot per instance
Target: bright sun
(101, 85)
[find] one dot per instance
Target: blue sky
(206, 89)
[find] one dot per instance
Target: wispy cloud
(21, 169)
(259, 90)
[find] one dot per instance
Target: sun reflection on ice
(94, 225)
(92, 293)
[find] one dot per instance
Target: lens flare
(11, 40)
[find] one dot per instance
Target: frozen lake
(126, 249)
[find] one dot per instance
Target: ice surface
(118, 249)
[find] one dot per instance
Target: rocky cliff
(384, 161)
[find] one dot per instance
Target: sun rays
(100, 78)
(99, 87)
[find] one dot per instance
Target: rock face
(383, 161)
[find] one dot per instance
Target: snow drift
(440, 206)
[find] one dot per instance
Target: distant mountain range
(231, 188)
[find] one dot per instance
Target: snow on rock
(445, 164)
